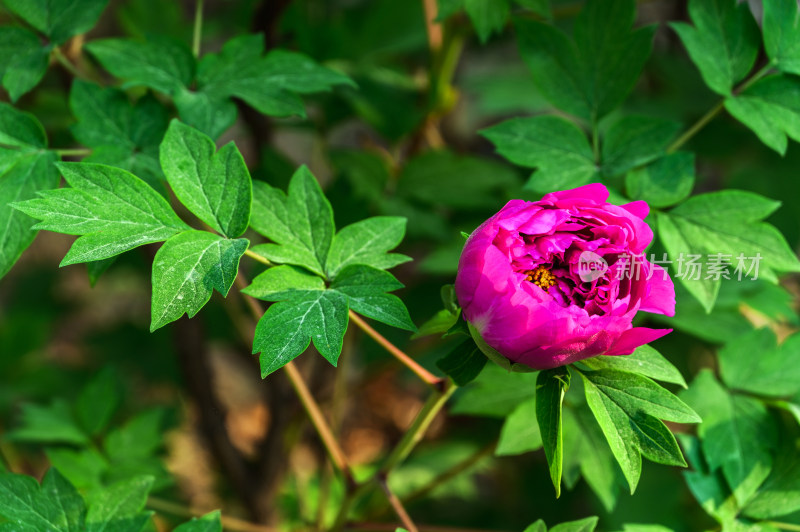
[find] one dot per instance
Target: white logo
(591, 266)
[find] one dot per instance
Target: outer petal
(660, 298)
(637, 208)
(633, 338)
(593, 193)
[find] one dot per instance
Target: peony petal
(593, 192)
(660, 298)
(637, 208)
(629, 340)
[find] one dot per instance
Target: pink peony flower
(554, 281)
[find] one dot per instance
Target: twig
(706, 118)
(258, 258)
(313, 410)
(433, 28)
(451, 473)
(229, 523)
(76, 152)
(62, 59)
(381, 527)
(398, 507)
(198, 28)
(429, 378)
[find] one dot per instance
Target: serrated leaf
(49, 424)
(634, 393)
(23, 60)
(300, 224)
(520, 432)
(729, 422)
(555, 147)
(635, 140)
(367, 243)
(770, 108)
(754, 363)
(644, 360)
(22, 176)
(59, 19)
(98, 401)
(119, 508)
(267, 83)
(463, 363)
(727, 223)
(723, 42)
(781, 28)
(164, 65)
(664, 182)
(488, 16)
(592, 75)
(210, 522)
(440, 177)
(55, 506)
(214, 186)
(20, 129)
(551, 385)
(366, 291)
(114, 210)
(187, 268)
(287, 328)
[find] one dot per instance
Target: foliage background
(188, 404)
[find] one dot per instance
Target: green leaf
(164, 65)
(141, 437)
(300, 225)
(729, 422)
(22, 176)
(780, 493)
(664, 182)
(98, 401)
(495, 393)
(520, 432)
(708, 487)
(781, 27)
(488, 16)
(122, 135)
(289, 326)
(210, 522)
(724, 223)
(211, 115)
(440, 177)
(59, 19)
(634, 141)
(634, 392)
(55, 506)
(463, 363)
(770, 108)
(49, 424)
(440, 323)
(187, 268)
(587, 524)
(556, 147)
(280, 281)
(114, 210)
(118, 508)
(551, 385)
(594, 74)
(723, 42)
(367, 243)
(20, 129)
(214, 186)
(754, 363)
(365, 289)
(644, 360)
(538, 526)
(23, 60)
(267, 83)
(616, 427)
(84, 468)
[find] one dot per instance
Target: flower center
(541, 277)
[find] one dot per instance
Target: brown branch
(397, 506)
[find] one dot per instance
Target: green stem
(259, 258)
(417, 429)
(706, 118)
(62, 59)
(198, 28)
(783, 526)
(76, 152)
(410, 439)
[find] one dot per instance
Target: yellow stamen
(541, 277)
